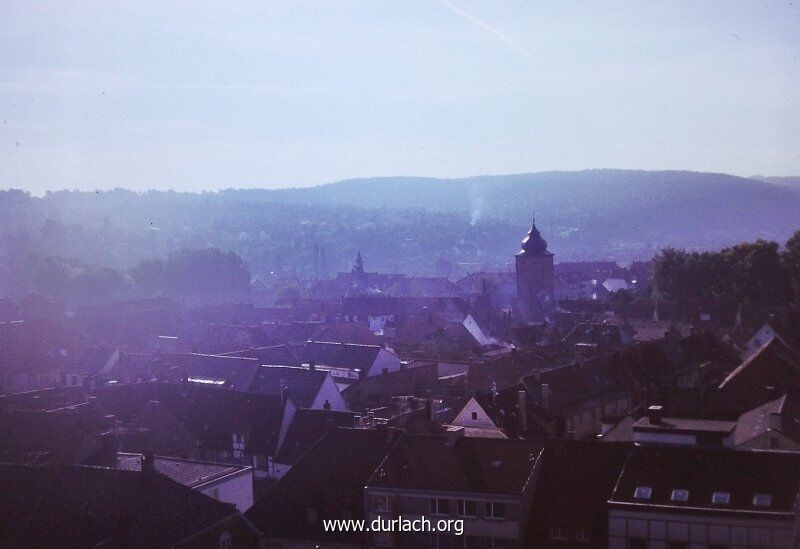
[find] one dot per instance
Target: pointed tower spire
(358, 266)
(533, 243)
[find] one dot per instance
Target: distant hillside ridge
(688, 208)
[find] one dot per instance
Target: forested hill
(684, 208)
(413, 225)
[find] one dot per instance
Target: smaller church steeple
(533, 243)
(358, 266)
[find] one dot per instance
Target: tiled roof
(211, 414)
(781, 415)
(341, 355)
(470, 465)
(156, 429)
(573, 384)
(327, 483)
(69, 506)
(704, 471)
(303, 384)
(774, 351)
(306, 428)
(188, 472)
(237, 372)
(276, 354)
(32, 436)
(570, 493)
(684, 425)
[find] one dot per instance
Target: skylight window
(762, 500)
(721, 498)
(643, 492)
(680, 495)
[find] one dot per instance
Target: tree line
(757, 275)
(203, 271)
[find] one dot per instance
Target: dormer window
(643, 492)
(474, 416)
(721, 498)
(680, 495)
(762, 500)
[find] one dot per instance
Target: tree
(791, 263)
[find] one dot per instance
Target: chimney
(358, 422)
(545, 397)
(522, 410)
(284, 395)
(453, 434)
(148, 462)
(429, 410)
(655, 414)
(312, 365)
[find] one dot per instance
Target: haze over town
(446, 274)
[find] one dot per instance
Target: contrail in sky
(487, 27)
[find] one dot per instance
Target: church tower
(535, 283)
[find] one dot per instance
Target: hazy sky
(207, 95)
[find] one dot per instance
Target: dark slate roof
(44, 399)
(762, 363)
(303, 384)
(598, 333)
(781, 415)
(32, 436)
(684, 425)
(293, 332)
(327, 483)
(237, 372)
(276, 354)
(422, 287)
(155, 429)
(70, 506)
(341, 355)
(306, 428)
(470, 465)
(573, 384)
(570, 493)
(210, 414)
(188, 472)
(703, 471)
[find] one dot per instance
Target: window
(382, 539)
(762, 500)
(444, 541)
(474, 416)
(481, 542)
(721, 498)
(495, 510)
(582, 535)
(560, 534)
(680, 495)
(467, 508)
(440, 506)
(642, 492)
(225, 541)
(379, 503)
